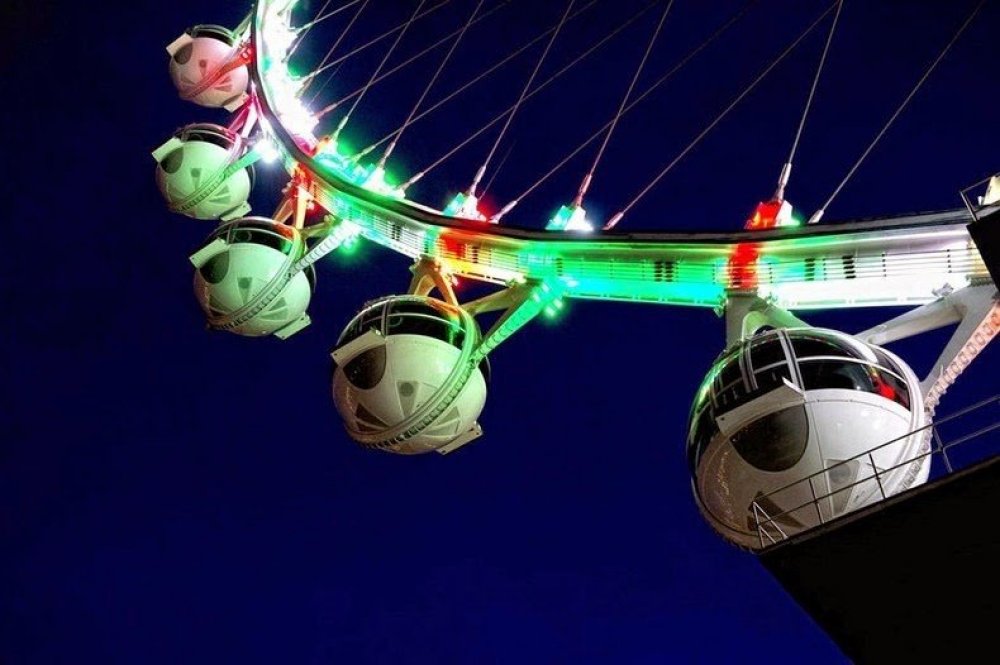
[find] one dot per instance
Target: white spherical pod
(242, 279)
(404, 380)
(209, 68)
(200, 175)
(787, 432)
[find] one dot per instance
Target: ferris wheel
(792, 426)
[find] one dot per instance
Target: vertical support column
(428, 274)
(746, 313)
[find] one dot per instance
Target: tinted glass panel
(352, 332)
(265, 238)
(775, 442)
(730, 370)
(263, 225)
(766, 353)
(702, 432)
(208, 136)
(731, 397)
(885, 361)
(891, 387)
(213, 31)
(415, 307)
(702, 396)
(183, 55)
(769, 379)
(215, 269)
(172, 162)
(809, 347)
(366, 370)
(738, 394)
(818, 374)
(412, 324)
(368, 320)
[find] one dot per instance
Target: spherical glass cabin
(204, 51)
(239, 263)
(787, 432)
(399, 359)
(189, 173)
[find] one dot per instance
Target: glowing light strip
(807, 268)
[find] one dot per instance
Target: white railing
(770, 532)
(975, 205)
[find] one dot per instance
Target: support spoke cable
(483, 74)
(816, 216)
(371, 42)
(648, 91)
(541, 86)
(320, 16)
(427, 89)
(381, 64)
(496, 171)
(303, 30)
(520, 99)
(739, 98)
(585, 184)
(786, 170)
(331, 51)
(331, 107)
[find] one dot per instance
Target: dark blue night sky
(170, 495)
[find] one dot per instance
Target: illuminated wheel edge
(382, 219)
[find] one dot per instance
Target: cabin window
(428, 326)
(812, 347)
(365, 370)
(839, 374)
(776, 442)
(703, 430)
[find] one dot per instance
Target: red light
(883, 388)
(743, 267)
(487, 207)
(319, 147)
(765, 215)
(451, 247)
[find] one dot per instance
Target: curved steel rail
(906, 260)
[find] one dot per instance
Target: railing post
(812, 490)
(756, 519)
(944, 451)
(877, 478)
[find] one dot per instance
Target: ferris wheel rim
(425, 214)
(899, 260)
